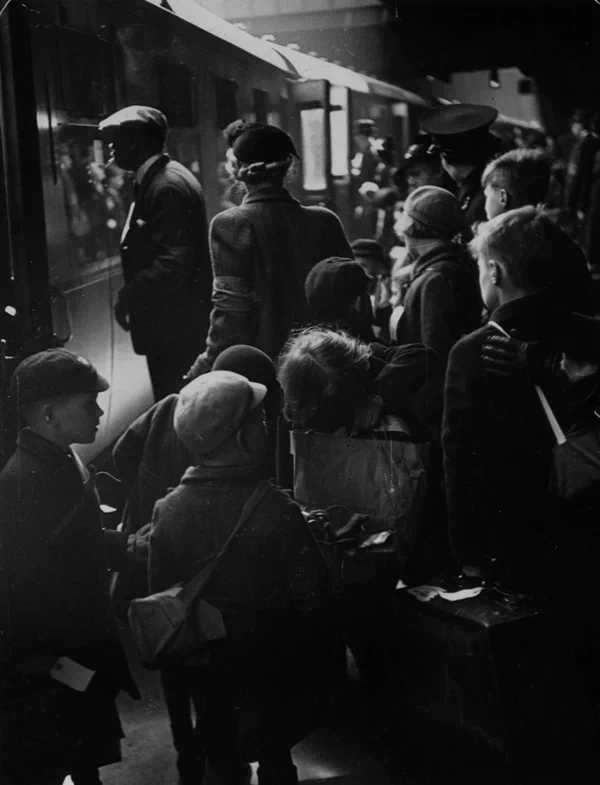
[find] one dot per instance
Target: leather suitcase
(483, 688)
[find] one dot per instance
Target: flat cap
(212, 408)
(51, 373)
(136, 118)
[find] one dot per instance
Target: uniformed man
(165, 302)
(462, 135)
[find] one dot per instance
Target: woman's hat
(263, 144)
(436, 209)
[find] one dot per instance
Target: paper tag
(376, 539)
(463, 594)
(72, 674)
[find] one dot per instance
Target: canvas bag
(383, 477)
(173, 625)
(575, 457)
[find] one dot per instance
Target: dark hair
(527, 243)
(324, 376)
(524, 174)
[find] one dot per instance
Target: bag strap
(191, 590)
(558, 432)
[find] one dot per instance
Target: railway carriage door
(312, 99)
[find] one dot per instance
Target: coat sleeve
(162, 559)
(338, 242)
(129, 449)
(462, 455)
(233, 316)
(440, 320)
(172, 224)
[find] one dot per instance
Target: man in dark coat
(272, 586)
(165, 301)
(496, 439)
(263, 249)
(55, 609)
(461, 132)
(442, 301)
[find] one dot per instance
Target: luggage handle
(558, 432)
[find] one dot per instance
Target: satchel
(575, 457)
(172, 626)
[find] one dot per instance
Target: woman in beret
(263, 249)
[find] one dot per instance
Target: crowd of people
(489, 302)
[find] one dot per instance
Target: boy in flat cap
(272, 585)
(55, 608)
(165, 302)
(462, 135)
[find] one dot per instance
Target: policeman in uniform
(466, 144)
(165, 302)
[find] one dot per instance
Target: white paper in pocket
(72, 674)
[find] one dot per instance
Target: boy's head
(519, 253)
(219, 417)
(337, 291)
(56, 393)
(515, 179)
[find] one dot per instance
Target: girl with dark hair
(263, 249)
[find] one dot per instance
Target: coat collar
(199, 473)
(270, 193)
(533, 315)
(441, 252)
(47, 452)
(149, 175)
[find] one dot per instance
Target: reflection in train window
(261, 106)
(97, 196)
(314, 154)
(177, 93)
(226, 91)
(338, 119)
(87, 66)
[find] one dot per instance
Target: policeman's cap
(138, 119)
(461, 131)
(52, 373)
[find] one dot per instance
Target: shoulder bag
(172, 626)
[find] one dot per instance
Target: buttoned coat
(261, 252)
(54, 601)
(166, 261)
(498, 452)
(272, 587)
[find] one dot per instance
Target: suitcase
(485, 688)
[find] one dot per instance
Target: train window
(314, 153)
(177, 93)
(338, 119)
(95, 196)
(226, 90)
(261, 105)
(87, 70)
